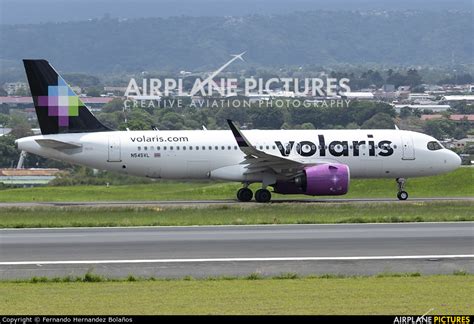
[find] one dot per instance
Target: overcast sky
(35, 11)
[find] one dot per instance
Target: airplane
(309, 162)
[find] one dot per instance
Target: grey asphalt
(207, 203)
(438, 244)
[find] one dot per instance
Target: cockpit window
(433, 146)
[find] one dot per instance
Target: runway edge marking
(228, 225)
(359, 258)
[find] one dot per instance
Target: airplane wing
(58, 145)
(258, 161)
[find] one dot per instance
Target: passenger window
(210, 148)
(197, 148)
(139, 148)
(145, 148)
(184, 148)
(223, 148)
(203, 148)
(171, 148)
(235, 147)
(157, 148)
(434, 146)
(164, 148)
(216, 147)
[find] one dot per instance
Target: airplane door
(408, 150)
(114, 149)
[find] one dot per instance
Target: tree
(139, 119)
(405, 112)
(4, 109)
(116, 104)
(19, 125)
(171, 120)
(307, 126)
(266, 117)
(4, 119)
(379, 121)
(81, 80)
(93, 91)
(352, 125)
(413, 79)
(361, 111)
(439, 128)
(22, 92)
(463, 108)
(8, 153)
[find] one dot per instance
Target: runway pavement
(238, 250)
(207, 203)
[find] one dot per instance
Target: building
(12, 87)
(116, 90)
(458, 98)
(419, 97)
(16, 102)
(388, 88)
(463, 142)
(27, 177)
(357, 95)
(94, 103)
(431, 108)
(469, 118)
(4, 131)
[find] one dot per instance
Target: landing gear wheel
(263, 195)
(244, 194)
(402, 195)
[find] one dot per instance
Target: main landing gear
(244, 194)
(402, 194)
(261, 195)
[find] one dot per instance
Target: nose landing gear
(402, 194)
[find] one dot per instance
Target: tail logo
(61, 102)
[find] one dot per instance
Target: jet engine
(324, 180)
(319, 180)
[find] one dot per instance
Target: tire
(244, 194)
(402, 195)
(263, 195)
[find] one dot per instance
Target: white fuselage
(203, 154)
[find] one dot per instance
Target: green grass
(357, 295)
(276, 213)
(458, 183)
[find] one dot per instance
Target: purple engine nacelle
(318, 180)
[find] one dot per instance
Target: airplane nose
(453, 161)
